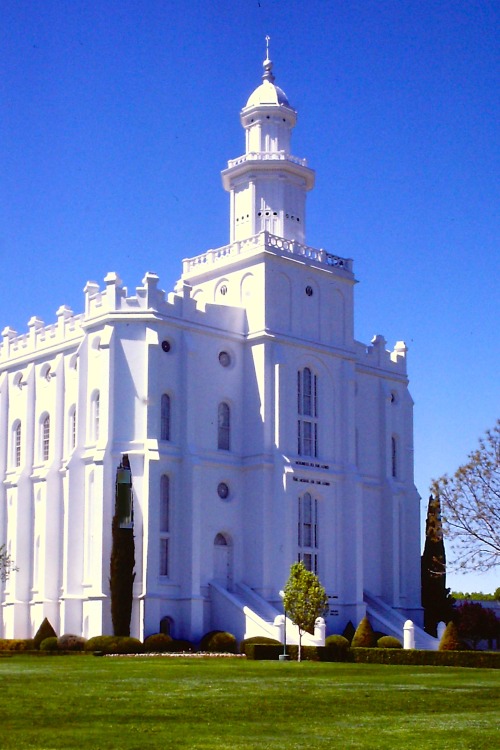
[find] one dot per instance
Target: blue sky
(116, 118)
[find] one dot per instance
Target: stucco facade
(258, 429)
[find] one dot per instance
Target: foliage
(471, 505)
(305, 599)
(339, 646)
(6, 564)
(114, 644)
(122, 563)
(44, 631)
(478, 596)
(158, 643)
(49, 643)
(476, 623)
(436, 600)
(219, 642)
(388, 641)
(260, 639)
(364, 637)
(17, 644)
(450, 640)
(70, 642)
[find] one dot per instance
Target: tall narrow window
(307, 406)
(94, 416)
(45, 438)
(165, 417)
(164, 525)
(224, 427)
(17, 445)
(394, 456)
(308, 532)
(72, 428)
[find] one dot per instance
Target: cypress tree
(436, 599)
(364, 637)
(122, 551)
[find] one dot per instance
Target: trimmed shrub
(114, 644)
(339, 646)
(44, 631)
(158, 643)
(179, 646)
(17, 644)
(70, 642)
(261, 639)
(450, 640)
(49, 644)
(218, 641)
(364, 637)
(388, 641)
(349, 631)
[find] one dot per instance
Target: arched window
(166, 625)
(16, 445)
(394, 456)
(224, 427)
(164, 525)
(307, 407)
(165, 417)
(45, 438)
(308, 532)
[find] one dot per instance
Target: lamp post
(284, 655)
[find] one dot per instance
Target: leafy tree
(470, 501)
(436, 600)
(122, 552)
(476, 623)
(305, 599)
(6, 564)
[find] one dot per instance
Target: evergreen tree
(450, 640)
(364, 637)
(122, 551)
(305, 599)
(436, 599)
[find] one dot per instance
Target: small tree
(450, 640)
(6, 564)
(364, 637)
(305, 599)
(471, 505)
(476, 623)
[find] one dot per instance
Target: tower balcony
(264, 242)
(266, 156)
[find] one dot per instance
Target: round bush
(114, 644)
(49, 644)
(218, 641)
(261, 640)
(337, 642)
(388, 641)
(70, 642)
(158, 643)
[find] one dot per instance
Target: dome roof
(267, 93)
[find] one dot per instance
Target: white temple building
(259, 431)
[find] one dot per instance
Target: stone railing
(262, 241)
(267, 156)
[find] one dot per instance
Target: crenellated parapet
(377, 355)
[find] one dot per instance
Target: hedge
(478, 659)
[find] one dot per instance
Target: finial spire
(268, 65)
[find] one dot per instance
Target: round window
(309, 291)
(224, 359)
(223, 491)
(223, 290)
(165, 345)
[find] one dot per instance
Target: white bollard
(409, 635)
(320, 630)
(279, 624)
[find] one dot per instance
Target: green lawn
(123, 703)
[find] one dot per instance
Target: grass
(127, 703)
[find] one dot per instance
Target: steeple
(267, 184)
